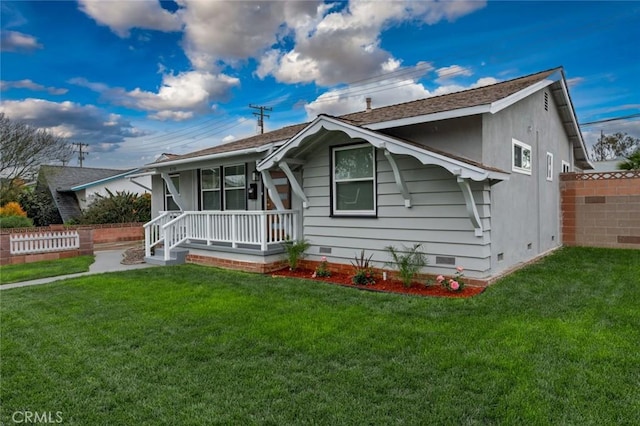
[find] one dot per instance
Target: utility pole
(261, 115)
(81, 154)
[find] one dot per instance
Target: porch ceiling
(322, 127)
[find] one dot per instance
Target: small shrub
(363, 272)
(321, 269)
(15, 222)
(295, 251)
(454, 283)
(409, 262)
(12, 209)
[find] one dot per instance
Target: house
(472, 176)
(73, 189)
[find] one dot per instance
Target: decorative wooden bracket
(400, 183)
(271, 189)
(471, 205)
(174, 192)
(295, 186)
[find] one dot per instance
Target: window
(235, 188)
(566, 167)
(169, 203)
(549, 166)
(354, 180)
(210, 189)
(521, 156)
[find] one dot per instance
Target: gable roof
(324, 125)
(486, 99)
(62, 181)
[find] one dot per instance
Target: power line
(607, 120)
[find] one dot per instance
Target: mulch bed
(389, 286)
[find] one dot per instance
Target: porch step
(178, 257)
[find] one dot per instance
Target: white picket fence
(44, 242)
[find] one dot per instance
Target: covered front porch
(256, 234)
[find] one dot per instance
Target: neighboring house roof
(62, 181)
(486, 99)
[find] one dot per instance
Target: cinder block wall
(601, 209)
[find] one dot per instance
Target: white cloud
(481, 82)
(84, 123)
(122, 16)
(452, 71)
(14, 41)
(28, 84)
(383, 93)
(573, 82)
(345, 45)
(178, 98)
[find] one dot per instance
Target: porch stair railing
(153, 230)
(256, 229)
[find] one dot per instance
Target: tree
(610, 147)
(632, 162)
(22, 150)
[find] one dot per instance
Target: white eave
(393, 145)
(215, 156)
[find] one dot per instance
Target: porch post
(263, 231)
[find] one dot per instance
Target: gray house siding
(527, 206)
(458, 136)
(438, 217)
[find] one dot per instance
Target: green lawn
(45, 269)
(557, 343)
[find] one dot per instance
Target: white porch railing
(253, 228)
(153, 232)
(44, 242)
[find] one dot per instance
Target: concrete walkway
(106, 261)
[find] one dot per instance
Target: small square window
(521, 157)
(549, 166)
(566, 167)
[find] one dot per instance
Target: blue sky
(134, 79)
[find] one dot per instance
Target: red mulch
(389, 286)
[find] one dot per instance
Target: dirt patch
(133, 256)
(389, 286)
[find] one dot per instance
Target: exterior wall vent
(325, 250)
(546, 101)
(445, 260)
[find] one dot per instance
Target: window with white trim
(353, 180)
(169, 202)
(210, 189)
(549, 166)
(521, 157)
(566, 167)
(235, 191)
